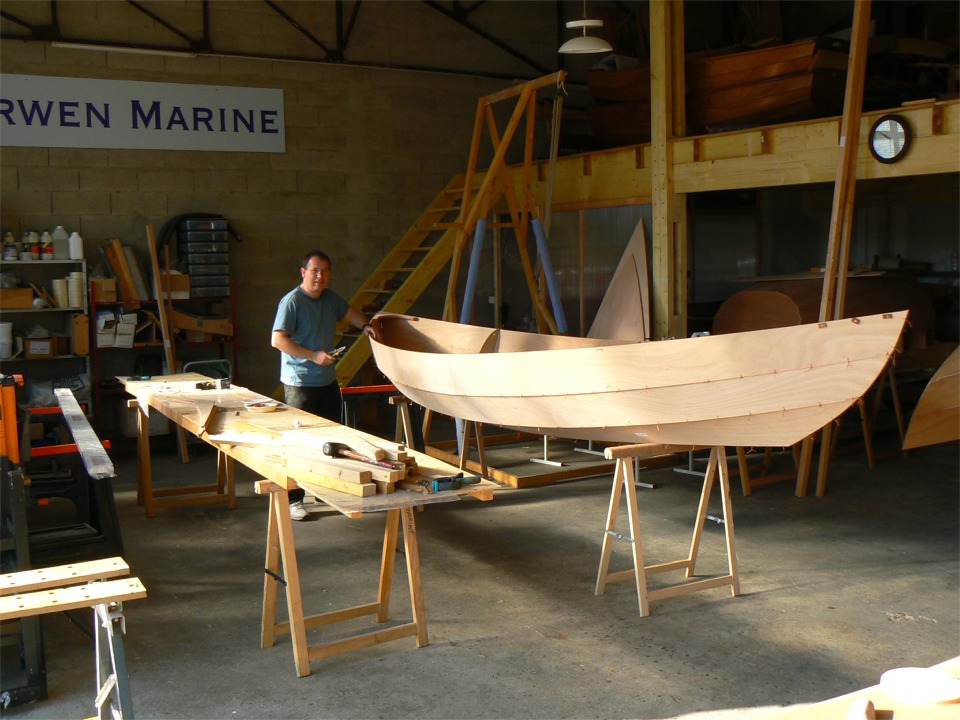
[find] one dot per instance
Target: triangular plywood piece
(624, 311)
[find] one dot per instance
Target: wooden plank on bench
(95, 458)
(70, 598)
(60, 575)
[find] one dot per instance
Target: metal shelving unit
(57, 320)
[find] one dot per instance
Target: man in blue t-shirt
(303, 332)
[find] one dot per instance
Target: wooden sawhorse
(56, 589)
(224, 490)
(281, 557)
(624, 479)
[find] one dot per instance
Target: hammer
(333, 449)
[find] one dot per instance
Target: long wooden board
(95, 458)
(70, 598)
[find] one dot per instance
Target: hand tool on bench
(452, 482)
(333, 449)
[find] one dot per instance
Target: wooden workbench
(212, 414)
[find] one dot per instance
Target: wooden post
(165, 330)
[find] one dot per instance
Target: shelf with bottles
(45, 332)
(44, 307)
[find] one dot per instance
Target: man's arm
(359, 321)
(281, 340)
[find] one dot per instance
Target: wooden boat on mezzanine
(767, 388)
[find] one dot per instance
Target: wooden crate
(16, 298)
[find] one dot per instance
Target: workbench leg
(145, 484)
(708, 479)
(271, 566)
(412, 550)
(226, 479)
(387, 563)
(728, 524)
(291, 574)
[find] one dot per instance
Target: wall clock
(889, 138)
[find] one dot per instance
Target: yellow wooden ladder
(405, 272)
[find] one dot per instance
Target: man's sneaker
(298, 511)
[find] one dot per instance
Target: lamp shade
(583, 44)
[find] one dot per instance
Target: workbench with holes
(281, 444)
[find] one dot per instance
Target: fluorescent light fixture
(122, 49)
(583, 44)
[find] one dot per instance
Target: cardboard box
(40, 347)
(175, 287)
(104, 289)
(123, 341)
(81, 335)
(16, 298)
(106, 320)
(106, 338)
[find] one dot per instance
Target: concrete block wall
(367, 149)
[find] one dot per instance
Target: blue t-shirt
(312, 324)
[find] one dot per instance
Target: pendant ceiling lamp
(583, 44)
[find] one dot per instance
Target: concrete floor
(835, 591)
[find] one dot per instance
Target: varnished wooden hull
(766, 388)
(778, 83)
(936, 419)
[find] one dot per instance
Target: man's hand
(322, 357)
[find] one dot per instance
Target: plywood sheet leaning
(625, 309)
(118, 261)
(767, 388)
(936, 419)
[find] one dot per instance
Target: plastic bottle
(11, 251)
(76, 246)
(46, 246)
(61, 243)
(35, 245)
(25, 246)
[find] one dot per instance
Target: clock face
(889, 138)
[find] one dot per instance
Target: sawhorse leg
(113, 680)
(281, 554)
(144, 463)
(623, 480)
(481, 448)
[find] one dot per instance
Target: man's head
(315, 271)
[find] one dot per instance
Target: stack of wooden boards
(302, 450)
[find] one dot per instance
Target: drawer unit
(199, 281)
(194, 270)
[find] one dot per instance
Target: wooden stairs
(405, 272)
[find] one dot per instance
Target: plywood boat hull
(766, 388)
(936, 419)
